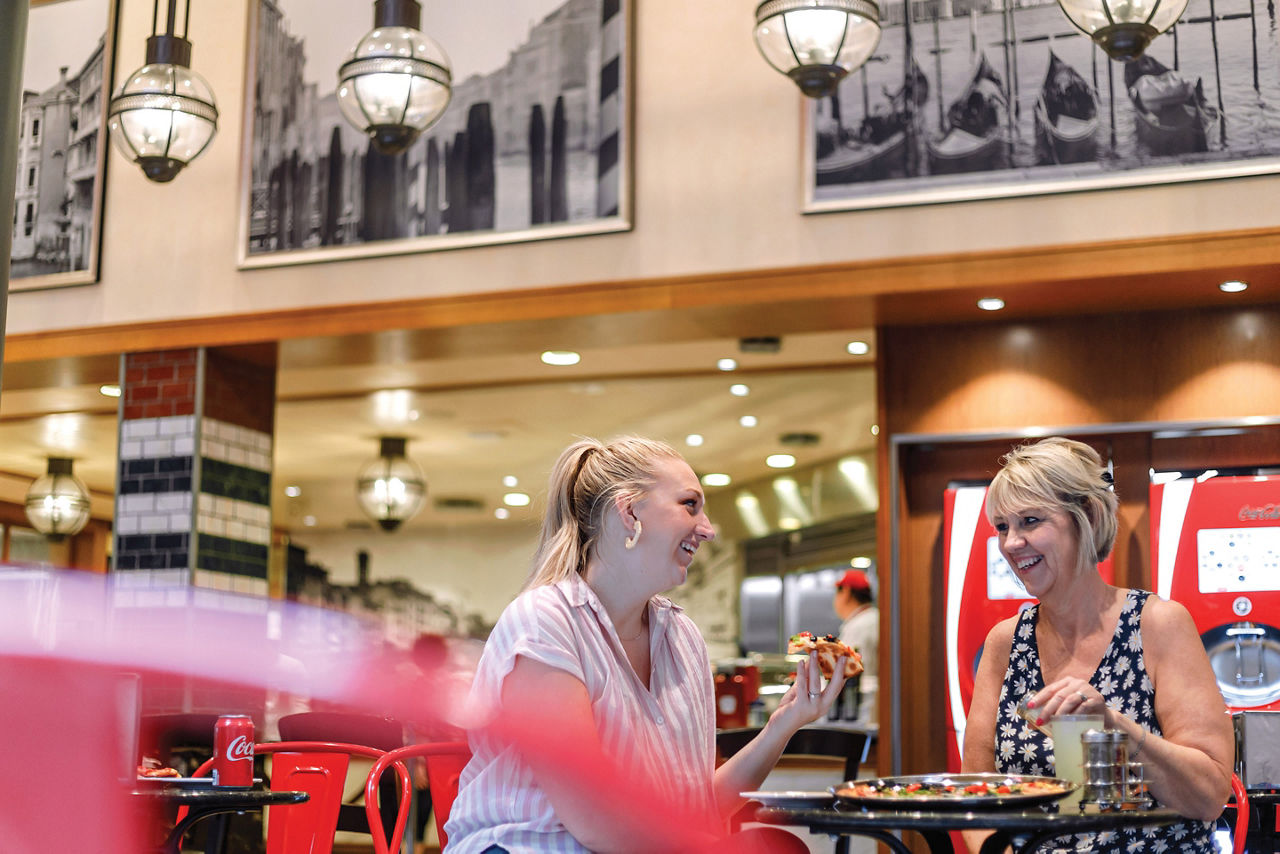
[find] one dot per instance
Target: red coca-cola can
(233, 751)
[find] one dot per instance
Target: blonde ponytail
(586, 480)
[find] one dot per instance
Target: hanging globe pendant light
(1123, 28)
(391, 488)
(396, 81)
(817, 42)
(164, 116)
(57, 503)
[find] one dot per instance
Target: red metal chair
(445, 761)
(1241, 828)
(318, 768)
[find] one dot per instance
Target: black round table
(1022, 829)
(208, 801)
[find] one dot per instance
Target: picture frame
(313, 190)
(62, 147)
(1203, 103)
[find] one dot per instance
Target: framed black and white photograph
(975, 99)
(62, 142)
(535, 141)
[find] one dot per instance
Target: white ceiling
(473, 418)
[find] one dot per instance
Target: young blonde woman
(1090, 648)
(595, 723)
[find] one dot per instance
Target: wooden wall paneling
(1213, 364)
(1152, 366)
(1131, 456)
(1128, 275)
(1229, 448)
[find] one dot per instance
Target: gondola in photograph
(877, 149)
(1066, 116)
(1171, 114)
(974, 137)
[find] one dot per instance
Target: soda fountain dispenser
(1216, 549)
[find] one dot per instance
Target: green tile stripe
(235, 557)
(232, 481)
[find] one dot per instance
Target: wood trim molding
(1147, 259)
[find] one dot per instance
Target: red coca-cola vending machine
(981, 589)
(1215, 548)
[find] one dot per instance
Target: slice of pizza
(829, 649)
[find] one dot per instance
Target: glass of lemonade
(1067, 752)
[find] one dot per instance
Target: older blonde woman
(1090, 648)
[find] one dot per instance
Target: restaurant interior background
(1113, 317)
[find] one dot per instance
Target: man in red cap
(860, 629)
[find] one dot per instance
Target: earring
(631, 541)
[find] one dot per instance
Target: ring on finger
(813, 695)
(1083, 697)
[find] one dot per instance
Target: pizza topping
(991, 788)
(144, 771)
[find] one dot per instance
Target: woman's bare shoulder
(1165, 619)
(1000, 638)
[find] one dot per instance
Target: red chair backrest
(445, 761)
(1241, 829)
(303, 828)
(318, 768)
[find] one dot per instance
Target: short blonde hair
(585, 482)
(1060, 474)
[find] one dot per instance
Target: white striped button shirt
(666, 733)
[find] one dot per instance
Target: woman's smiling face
(675, 522)
(1041, 545)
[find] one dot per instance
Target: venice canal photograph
(971, 99)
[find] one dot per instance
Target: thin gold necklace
(643, 627)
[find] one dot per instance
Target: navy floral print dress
(1123, 682)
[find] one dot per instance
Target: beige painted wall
(717, 188)
(472, 574)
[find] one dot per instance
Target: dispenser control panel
(1002, 581)
(1238, 560)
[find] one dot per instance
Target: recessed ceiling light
(861, 563)
(739, 390)
(414, 415)
(292, 491)
(748, 421)
(727, 365)
(875, 429)
(510, 481)
(1234, 286)
(109, 390)
(516, 499)
(780, 461)
(501, 513)
(716, 479)
(693, 440)
(309, 521)
(991, 303)
(858, 348)
(561, 358)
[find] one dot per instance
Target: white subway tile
(138, 503)
(140, 428)
(155, 448)
(173, 501)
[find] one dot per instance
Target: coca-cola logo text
(241, 747)
(1266, 511)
